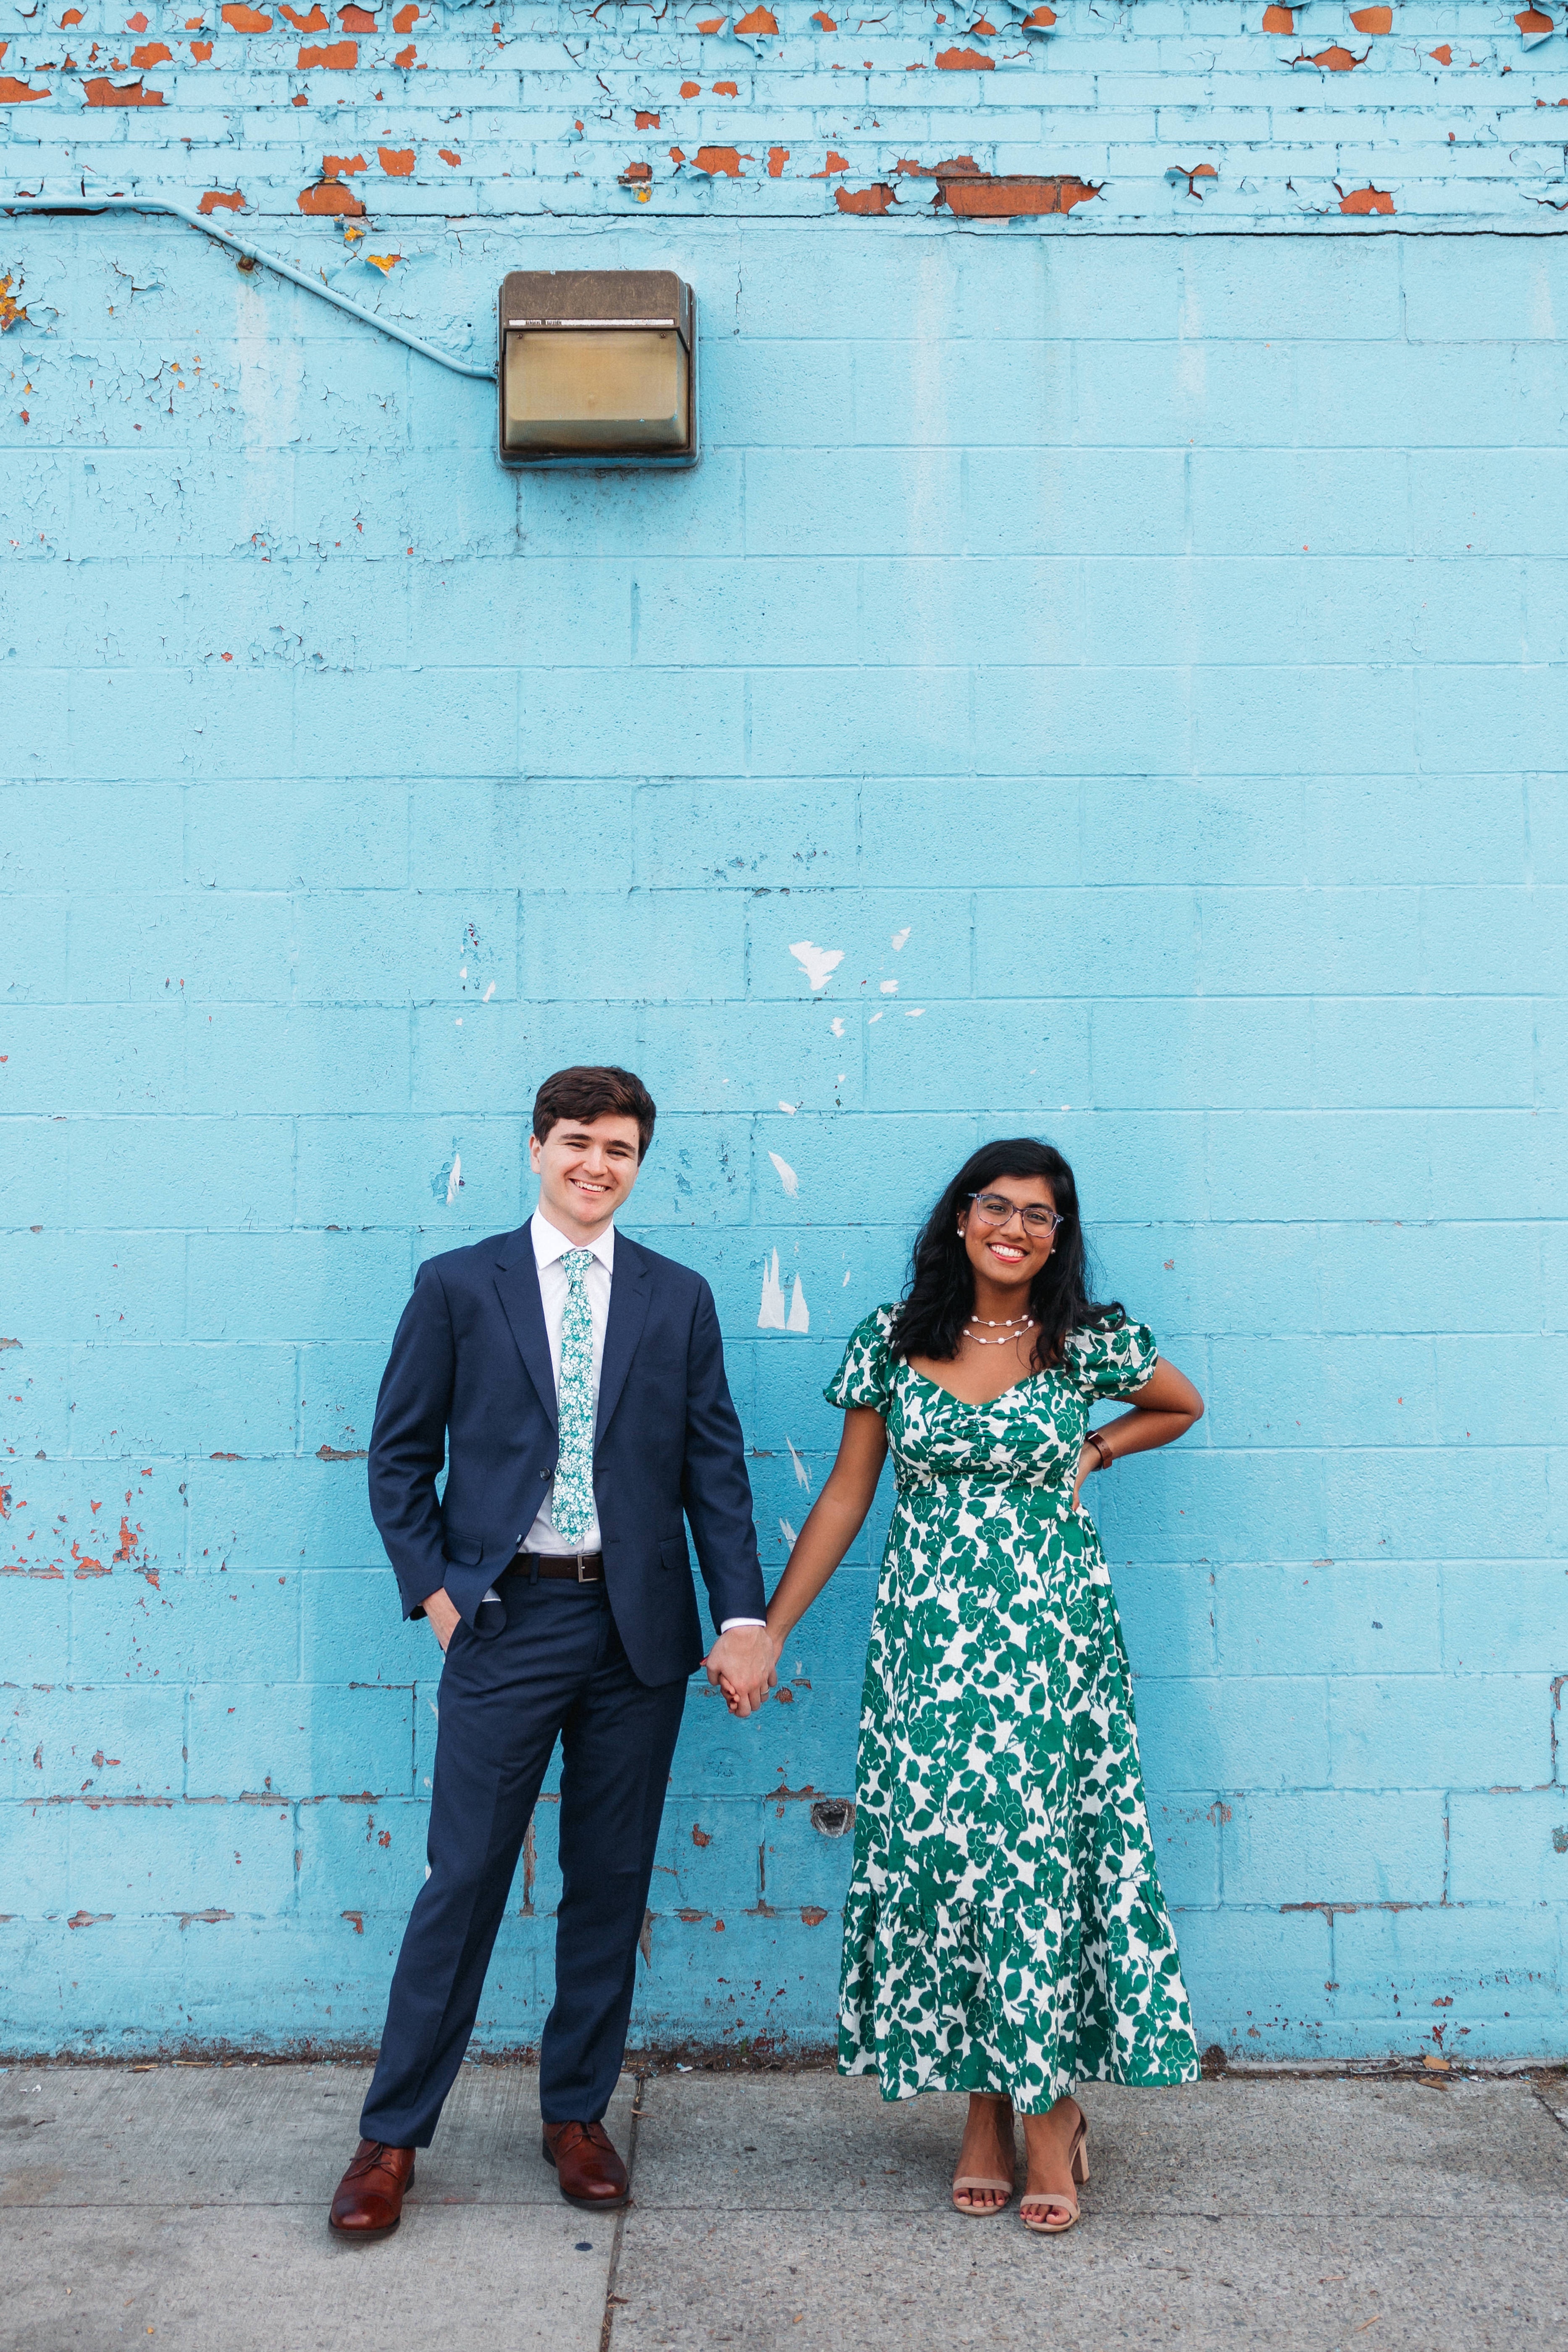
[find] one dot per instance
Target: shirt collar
(549, 1244)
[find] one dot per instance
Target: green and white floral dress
(1005, 1929)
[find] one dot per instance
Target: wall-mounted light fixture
(597, 366)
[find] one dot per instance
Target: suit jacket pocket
(461, 1551)
(672, 1553)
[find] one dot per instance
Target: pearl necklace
(1009, 1339)
(1000, 1322)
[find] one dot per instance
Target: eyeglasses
(995, 1209)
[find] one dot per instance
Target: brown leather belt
(580, 1567)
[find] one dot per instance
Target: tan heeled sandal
(981, 2180)
(1065, 2197)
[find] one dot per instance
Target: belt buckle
(580, 1556)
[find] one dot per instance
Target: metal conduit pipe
(485, 374)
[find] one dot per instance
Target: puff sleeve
(866, 1374)
(1110, 1360)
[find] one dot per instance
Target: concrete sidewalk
(186, 2207)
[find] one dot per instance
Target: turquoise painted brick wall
(1131, 637)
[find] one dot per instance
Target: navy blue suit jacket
(469, 1377)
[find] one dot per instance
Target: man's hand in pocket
(444, 1618)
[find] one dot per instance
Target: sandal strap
(980, 2180)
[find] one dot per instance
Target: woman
(1005, 1933)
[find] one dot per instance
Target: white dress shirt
(550, 1247)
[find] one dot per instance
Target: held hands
(742, 1663)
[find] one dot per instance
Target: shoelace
(370, 2162)
(573, 2134)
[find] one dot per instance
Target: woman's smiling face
(1008, 1252)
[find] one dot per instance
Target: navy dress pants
(556, 1669)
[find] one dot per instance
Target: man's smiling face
(585, 1168)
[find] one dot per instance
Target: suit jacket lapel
(517, 1282)
(628, 1313)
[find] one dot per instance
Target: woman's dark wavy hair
(940, 1298)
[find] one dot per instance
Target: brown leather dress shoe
(369, 2202)
(591, 2174)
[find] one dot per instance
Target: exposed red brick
(1333, 59)
(152, 53)
(963, 61)
(1373, 20)
(1009, 197)
(1192, 173)
(192, 24)
(983, 27)
(875, 200)
(777, 158)
(1445, 55)
(1534, 20)
(690, 89)
(757, 20)
(74, 16)
(405, 18)
(835, 164)
(726, 90)
(397, 163)
(316, 22)
(137, 24)
(298, 99)
(1279, 20)
(1039, 20)
(240, 19)
(231, 199)
(405, 57)
(339, 167)
(825, 20)
(719, 161)
(330, 198)
(356, 20)
(336, 56)
(635, 173)
(450, 156)
(331, 1454)
(1367, 200)
(710, 23)
(17, 93)
(201, 51)
(677, 157)
(647, 121)
(812, 1914)
(956, 167)
(355, 1920)
(102, 92)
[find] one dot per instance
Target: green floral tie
(572, 1506)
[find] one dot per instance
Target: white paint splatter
(489, 993)
(838, 1025)
(874, 1019)
(913, 1012)
(455, 1181)
(819, 964)
(788, 1533)
(847, 1272)
(787, 1176)
(799, 1313)
(771, 1314)
(899, 938)
(890, 988)
(802, 1476)
(459, 1023)
(462, 971)
(790, 1108)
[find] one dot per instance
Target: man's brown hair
(588, 1091)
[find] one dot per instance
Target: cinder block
(1329, 1617)
(188, 1627)
(330, 1287)
(1509, 1847)
(306, 1739)
(1443, 1968)
(1259, 1982)
(1504, 1616)
(172, 1859)
(1436, 1731)
(1315, 1849)
(1208, 1734)
(174, 1172)
(287, 835)
(99, 1743)
(131, 1402)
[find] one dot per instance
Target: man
(574, 1381)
